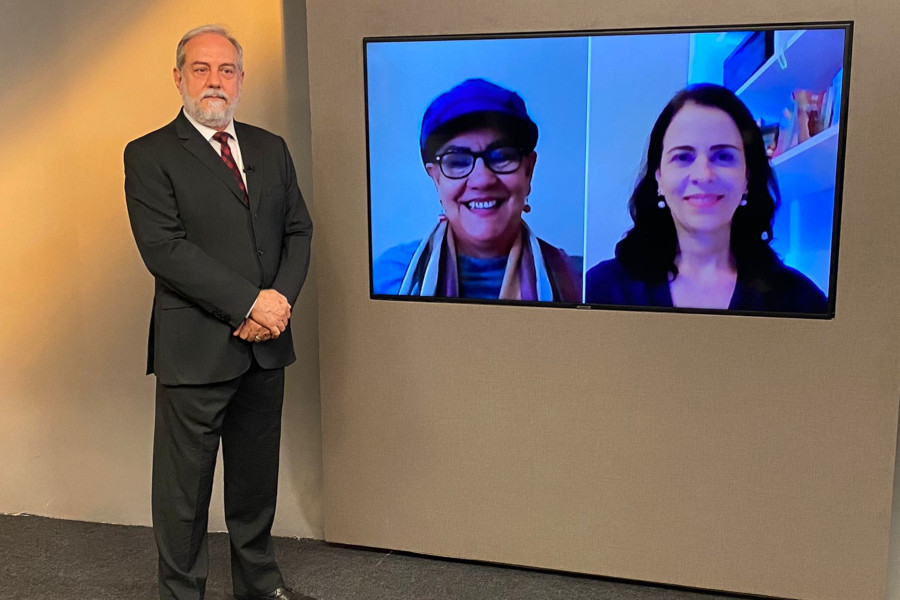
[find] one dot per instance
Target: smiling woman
(702, 211)
(477, 144)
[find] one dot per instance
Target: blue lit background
(403, 79)
(595, 100)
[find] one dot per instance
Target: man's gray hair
(216, 29)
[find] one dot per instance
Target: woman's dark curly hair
(648, 250)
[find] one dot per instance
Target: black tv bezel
(847, 26)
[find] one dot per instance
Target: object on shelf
(810, 113)
(837, 88)
(781, 38)
(785, 133)
(807, 114)
(749, 56)
(770, 135)
(827, 104)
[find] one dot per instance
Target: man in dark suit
(220, 223)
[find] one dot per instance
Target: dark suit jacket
(209, 252)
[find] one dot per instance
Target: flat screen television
(693, 169)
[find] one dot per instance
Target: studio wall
(81, 80)
(744, 454)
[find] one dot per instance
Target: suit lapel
(203, 151)
(250, 154)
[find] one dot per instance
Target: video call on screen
(732, 207)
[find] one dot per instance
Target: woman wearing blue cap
(477, 144)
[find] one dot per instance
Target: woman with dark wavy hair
(702, 211)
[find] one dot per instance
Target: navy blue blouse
(772, 287)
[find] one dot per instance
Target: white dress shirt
(209, 132)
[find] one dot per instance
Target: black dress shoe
(282, 593)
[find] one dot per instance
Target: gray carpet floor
(50, 559)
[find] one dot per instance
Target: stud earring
(764, 236)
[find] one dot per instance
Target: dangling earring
(764, 236)
(442, 216)
(662, 200)
(744, 199)
(527, 207)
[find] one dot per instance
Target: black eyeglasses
(457, 163)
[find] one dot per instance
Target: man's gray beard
(210, 116)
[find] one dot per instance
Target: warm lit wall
(724, 452)
(81, 79)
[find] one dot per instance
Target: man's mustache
(215, 94)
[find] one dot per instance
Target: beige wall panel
(746, 454)
(82, 79)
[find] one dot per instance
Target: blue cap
(476, 97)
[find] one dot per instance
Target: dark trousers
(245, 413)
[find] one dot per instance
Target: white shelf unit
(811, 59)
(803, 59)
(810, 166)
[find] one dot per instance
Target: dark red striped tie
(228, 159)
